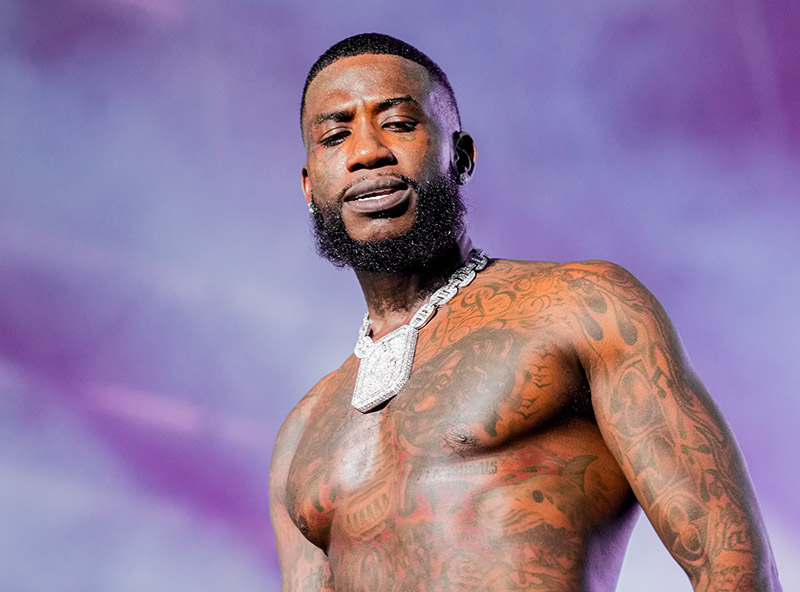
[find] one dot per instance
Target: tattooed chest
(457, 417)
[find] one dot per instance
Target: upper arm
(303, 566)
(667, 435)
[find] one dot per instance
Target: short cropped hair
(379, 44)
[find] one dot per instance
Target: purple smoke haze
(162, 309)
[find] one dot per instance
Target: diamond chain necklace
(385, 365)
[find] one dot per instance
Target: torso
(487, 472)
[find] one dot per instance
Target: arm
(671, 441)
(303, 566)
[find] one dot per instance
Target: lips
(372, 196)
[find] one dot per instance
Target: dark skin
(545, 401)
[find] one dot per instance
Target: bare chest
(467, 406)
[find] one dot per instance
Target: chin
(418, 238)
(384, 229)
(380, 226)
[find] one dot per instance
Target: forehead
(366, 78)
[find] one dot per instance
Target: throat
(386, 364)
(393, 297)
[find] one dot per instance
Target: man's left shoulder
(598, 271)
(580, 277)
(605, 298)
(614, 310)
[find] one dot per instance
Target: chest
(463, 402)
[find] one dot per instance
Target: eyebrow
(389, 103)
(333, 116)
(347, 115)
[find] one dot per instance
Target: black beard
(434, 236)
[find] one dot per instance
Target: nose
(367, 150)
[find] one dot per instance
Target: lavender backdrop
(161, 307)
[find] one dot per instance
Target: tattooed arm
(303, 566)
(671, 441)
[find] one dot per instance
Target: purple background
(162, 309)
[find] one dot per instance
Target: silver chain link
(459, 278)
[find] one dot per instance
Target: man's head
(385, 155)
(380, 44)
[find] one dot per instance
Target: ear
(465, 155)
(306, 183)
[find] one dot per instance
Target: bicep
(679, 457)
(668, 436)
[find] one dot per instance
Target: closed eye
(401, 126)
(334, 139)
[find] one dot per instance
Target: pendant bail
(385, 365)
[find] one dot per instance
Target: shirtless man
(545, 404)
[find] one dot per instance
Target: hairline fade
(378, 44)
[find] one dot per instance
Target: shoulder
(291, 431)
(597, 270)
(615, 314)
(576, 282)
(294, 424)
(614, 283)
(601, 304)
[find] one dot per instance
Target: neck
(393, 297)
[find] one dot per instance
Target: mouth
(377, 196)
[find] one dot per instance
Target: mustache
(408, 180)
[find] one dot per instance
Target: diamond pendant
(384, 368)
(386, 364)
